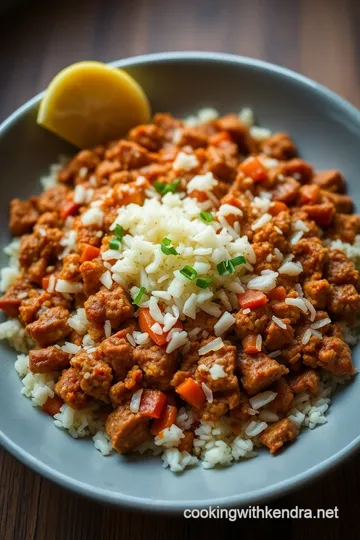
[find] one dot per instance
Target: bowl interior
(327, 132)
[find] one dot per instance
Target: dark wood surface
(319, 38)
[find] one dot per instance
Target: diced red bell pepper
(69, 209)
(167, 419)
(191, 392)
(146, 321)
(253, 167)
(252, 299)
(277, 207)
(152, 403)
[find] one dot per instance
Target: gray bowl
(327, 132)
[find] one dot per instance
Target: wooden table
(319, 38)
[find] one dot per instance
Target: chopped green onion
(189, 272)
(238, 260)
(163, 187)
(114, 243)
(204, 282)
(139, 296)
(167, 248)
(207, 217)
(228, 267)
(225, 267)
(119, 232)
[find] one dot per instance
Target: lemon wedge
(90, 103)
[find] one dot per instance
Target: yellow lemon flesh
(90, 103)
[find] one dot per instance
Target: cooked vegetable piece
(191, 392)
(152, 403)
(167, 419)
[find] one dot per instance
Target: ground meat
(269, 233)
(345, 228)
(48, 359)
(277, 434)
(23, 216)
(149, 136)
(38, 250)
(334, 355)
(344, 299)
(10, 302)
(308, 380)
(158, 366)
(91, 272)
(298, 169)
(50, 327)
(343, 203)
(106, 305)
(203, 321)
(50, 219)
(68, 388)
(192, 136)
(222, 164)
(254, 322)
(225, 358)
(285, 311)
(311, 253)
(259, 371)
(70, 270)
(121, 177)
(317, 291)
(286, 190)
(122, 390)
(331, 180)
(291, 355)
(323, 214)
(127, 430)
(221, 404)
(117, 352)
(237, 131)
(130, 154)
(279, 146)
(283, 401)
(340, 269)
(38, 302)
(85, 159)
(52, 199)
(276, 337)
(87, 234)
(95, 375)
(243, 410)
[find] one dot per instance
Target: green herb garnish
(114, 243)
(204, 282)
(228, 267)
(163, 187)
(119, 232)
(189, 272)
(167, 248)
(207, 217)
(238, 260)
(139, 296)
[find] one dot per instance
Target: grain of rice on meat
(199, 304)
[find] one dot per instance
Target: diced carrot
(45, 282)
(191, 392)
(167, 419)
(277, 207)
(253, 167)
(231, 199)
(309, 194)
(152, 403)
(146, 321)
(252, 299)
(52, 405)
(200, 196)
(218, 138)
(249, 344)
(131, 195)
(278, 294)
(89, 253)
(69, 209)
(186, 442)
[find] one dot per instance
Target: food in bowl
(187, 291)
